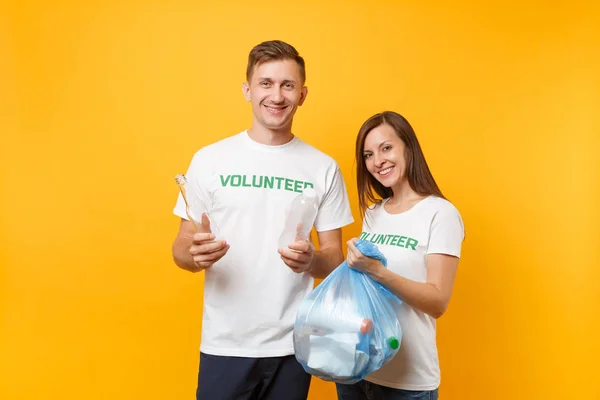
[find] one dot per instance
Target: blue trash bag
(347, 328)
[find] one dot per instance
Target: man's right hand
(205, 250)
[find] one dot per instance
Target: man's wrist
(312, 263)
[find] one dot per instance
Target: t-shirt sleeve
(446, 232)
(334, 211)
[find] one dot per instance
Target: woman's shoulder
(441, 204)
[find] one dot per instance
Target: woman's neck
(403, 198)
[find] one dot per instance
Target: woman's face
(384, 155)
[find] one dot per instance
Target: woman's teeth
(385, 171)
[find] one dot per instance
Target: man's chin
(277, 125)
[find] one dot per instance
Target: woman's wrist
(378, 272)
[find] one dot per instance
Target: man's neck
(270, 137)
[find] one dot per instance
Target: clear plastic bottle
(300, 218)
(195, 206)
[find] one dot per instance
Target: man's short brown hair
(274, 50)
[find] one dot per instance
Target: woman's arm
(431, 297)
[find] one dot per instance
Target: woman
(420, 233)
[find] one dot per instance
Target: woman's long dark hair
(419, 177)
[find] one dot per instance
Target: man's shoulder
(318, 155)
(216, 147)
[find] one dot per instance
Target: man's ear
(246, 91)
(303, 94)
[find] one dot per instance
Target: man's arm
(330, 254)
(181, 247)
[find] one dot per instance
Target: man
(252, 288)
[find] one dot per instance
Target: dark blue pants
(241, 378)
(364, 390)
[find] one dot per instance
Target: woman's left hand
(358, 261)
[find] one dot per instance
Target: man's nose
(277, 95)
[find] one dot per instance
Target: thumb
(299, 233)
(205, 224)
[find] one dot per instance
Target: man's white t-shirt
(250, 295)
(433, 225)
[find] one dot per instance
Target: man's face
(275, 90)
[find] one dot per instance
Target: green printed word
(390, 240)
(265, 182)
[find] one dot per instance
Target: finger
(202, 237)
(300, 236)
(207, 247)
(205, 225)
(299, 228)
(352, 250)
(350, 259)
(302, 246)
(355, 259)
(299, 270)
(295, 255)
(211, 257)
(294, 265)
(355, 252)
(204, 265)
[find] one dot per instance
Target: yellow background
(103, 102)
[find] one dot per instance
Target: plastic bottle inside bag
(300, 218)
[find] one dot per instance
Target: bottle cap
(393, 342)
(366, 326)
(309, 192)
